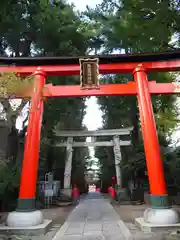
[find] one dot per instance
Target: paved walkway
(93, 219)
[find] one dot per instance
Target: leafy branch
(12, 84)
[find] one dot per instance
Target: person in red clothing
(98, 190)
(113, 194)
(75, 195)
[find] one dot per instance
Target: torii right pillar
(161, 212)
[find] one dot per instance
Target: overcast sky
(81, 4)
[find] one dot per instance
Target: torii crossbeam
(138, 65)
(59, 66)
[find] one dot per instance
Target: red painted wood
(148, 126)
(32, 142)
(108, 90)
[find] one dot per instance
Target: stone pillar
(160, 213)
(68, 167)
(118, 158)
(26, 214)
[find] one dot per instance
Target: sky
(81, 4)
(93, 117)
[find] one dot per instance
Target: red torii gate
(138, 65)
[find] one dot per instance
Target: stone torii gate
(116, 143)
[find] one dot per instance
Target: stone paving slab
(93, 219)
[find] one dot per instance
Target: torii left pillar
(26, 214)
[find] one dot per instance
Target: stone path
(93, 219)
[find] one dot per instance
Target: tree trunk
(135, 124)
(50, 155)
(4, 130)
